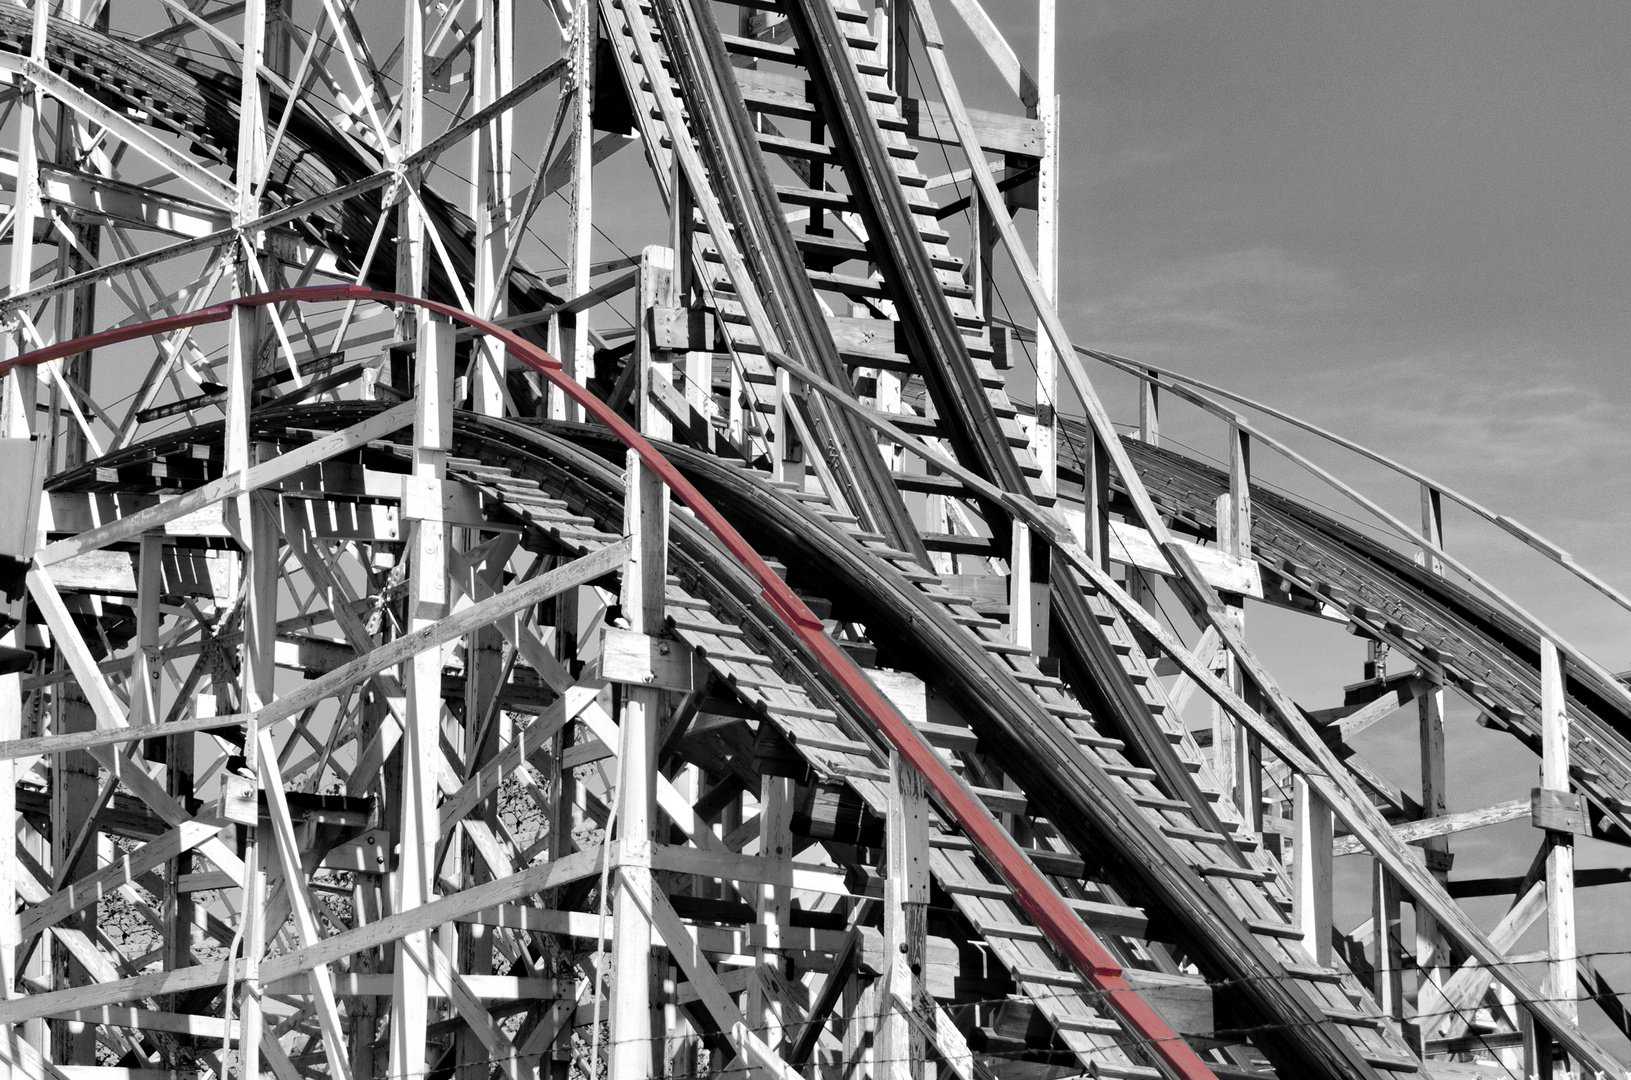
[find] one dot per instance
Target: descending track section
(782, 697)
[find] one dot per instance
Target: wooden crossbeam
(1412, 831)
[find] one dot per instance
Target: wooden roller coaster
(751, 655)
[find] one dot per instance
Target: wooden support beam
(1412, 832)
(905, 915)
(1044, 433)
(1561, 978)
(644, 586)
(1432, 948)
(1389, 960)
(773, 904)
(414, 884)
(1312, 871)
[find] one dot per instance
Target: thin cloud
(1250, 293)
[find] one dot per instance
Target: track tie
(1088, 1025)
(1240, 873)
(1268, 928)
(1314, 973)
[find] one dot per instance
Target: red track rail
(1032, 891)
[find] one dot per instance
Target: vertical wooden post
(492, 74)
(906, 905)
(176, 903)
(774, 902)
(563, 794)
(890, 399)
(1432, 950)
(645, 518)
(1240, 493)
(1149, 431)
(1537, 1047)
(861, 1008)
(1234, 522)
(983, 246)
(657, 288)
(1096, 502)
(362, 1013)
(421, 740)
(1022, 595)
(897, 27)
(432, 387)
(74, 796)
(644, 584)
(1554, 775)
(1312, 870)
(1044, 435)
(260, 637)
(143, 688)
(260, 614)
(1389, 964)
(1149, 412)
(486, 730)
(19, 393)
(574, 333)
(21, 386)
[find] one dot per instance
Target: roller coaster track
(1100, 897)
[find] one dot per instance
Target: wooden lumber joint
(644, 660)
(1559, 811)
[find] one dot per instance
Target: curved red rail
(1031, 891)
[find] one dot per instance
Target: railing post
(1149, 411)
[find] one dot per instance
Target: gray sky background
(1405, 222)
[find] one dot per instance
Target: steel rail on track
(1034, 894)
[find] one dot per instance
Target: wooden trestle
(478, 749)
